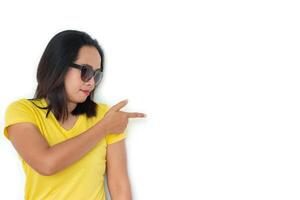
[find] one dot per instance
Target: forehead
(89, 55)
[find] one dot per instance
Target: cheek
(72, 82)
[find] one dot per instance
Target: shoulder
(19, 103)
(17, 111)
(26, 104)
(21, 106)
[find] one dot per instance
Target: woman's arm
(46, 160)
(117, 174)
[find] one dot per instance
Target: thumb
(119, 105)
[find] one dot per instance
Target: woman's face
(73, 83)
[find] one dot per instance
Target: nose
(91, 82)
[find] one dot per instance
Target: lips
(87, 92)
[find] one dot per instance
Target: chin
(81, 100)
(78, 99)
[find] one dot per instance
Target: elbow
(46, 171)
(49, 167)
(43, 169)
(46, 167)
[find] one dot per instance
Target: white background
(219, 81)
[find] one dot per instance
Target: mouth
(86, 92)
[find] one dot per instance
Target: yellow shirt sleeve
(17, 111)
(114, 137)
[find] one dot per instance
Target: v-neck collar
(77, 123)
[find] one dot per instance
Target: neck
(71, 107)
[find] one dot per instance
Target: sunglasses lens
(86, 73)
(98, 77)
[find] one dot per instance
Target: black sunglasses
(87, 72)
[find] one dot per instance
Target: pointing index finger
(135, 114)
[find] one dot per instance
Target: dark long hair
(62, 50)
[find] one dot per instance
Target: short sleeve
(114, 137)
(18, 111)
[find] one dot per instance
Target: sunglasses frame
(77, 66)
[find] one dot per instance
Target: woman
(65, 140)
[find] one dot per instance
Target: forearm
(120, 191)
(122, 195)
(67, 152)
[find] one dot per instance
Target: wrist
(103, 126)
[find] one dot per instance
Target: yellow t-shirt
(84, 179)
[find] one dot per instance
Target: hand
(115, 120)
